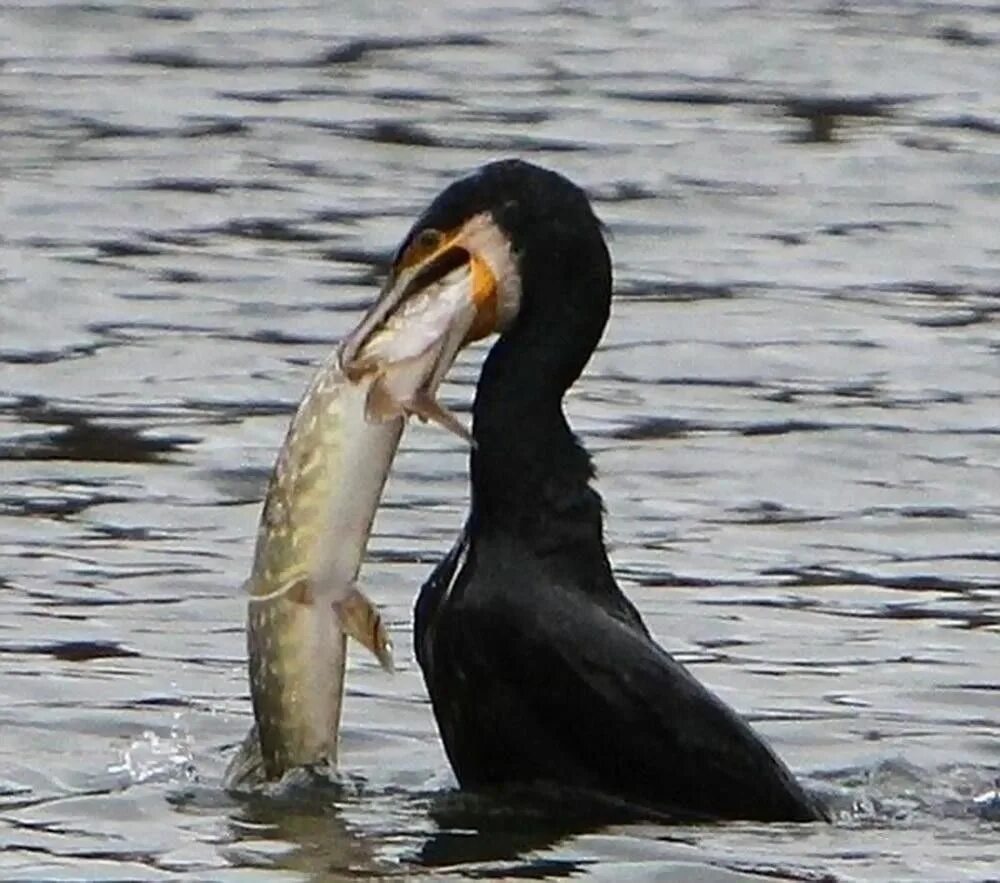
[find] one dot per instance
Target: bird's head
(532, 258)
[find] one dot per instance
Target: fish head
(445, 290)
(464, 278)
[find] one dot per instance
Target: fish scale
(314, 527)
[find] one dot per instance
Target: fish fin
(380, 406)
(246, 766)
(358, 369)
(427, 408)
(363, 622)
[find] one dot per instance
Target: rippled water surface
(795, 411)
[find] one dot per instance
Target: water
(795, 412)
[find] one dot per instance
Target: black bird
(539, 669)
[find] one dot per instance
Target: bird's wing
(562, 679)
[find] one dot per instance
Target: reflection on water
(794, 412)
(303, 833)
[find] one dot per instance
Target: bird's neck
(530, 475)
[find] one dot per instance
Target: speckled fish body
(324, 490)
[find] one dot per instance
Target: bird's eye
(425, 243)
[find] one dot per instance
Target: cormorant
(539, 669)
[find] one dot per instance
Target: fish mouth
(445, 291)
(411, 277)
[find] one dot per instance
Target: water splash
(987, 804)
(155, 758)
(894, 792)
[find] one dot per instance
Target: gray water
(795, 412)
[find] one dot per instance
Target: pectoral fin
(427, 408)
(358, 368)
(380, 406)
(362, 621)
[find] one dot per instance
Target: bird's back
(532, 681)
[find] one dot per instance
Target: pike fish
(321, 500)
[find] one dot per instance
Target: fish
(328, 478)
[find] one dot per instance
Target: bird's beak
(460, 282)
(430, 308)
